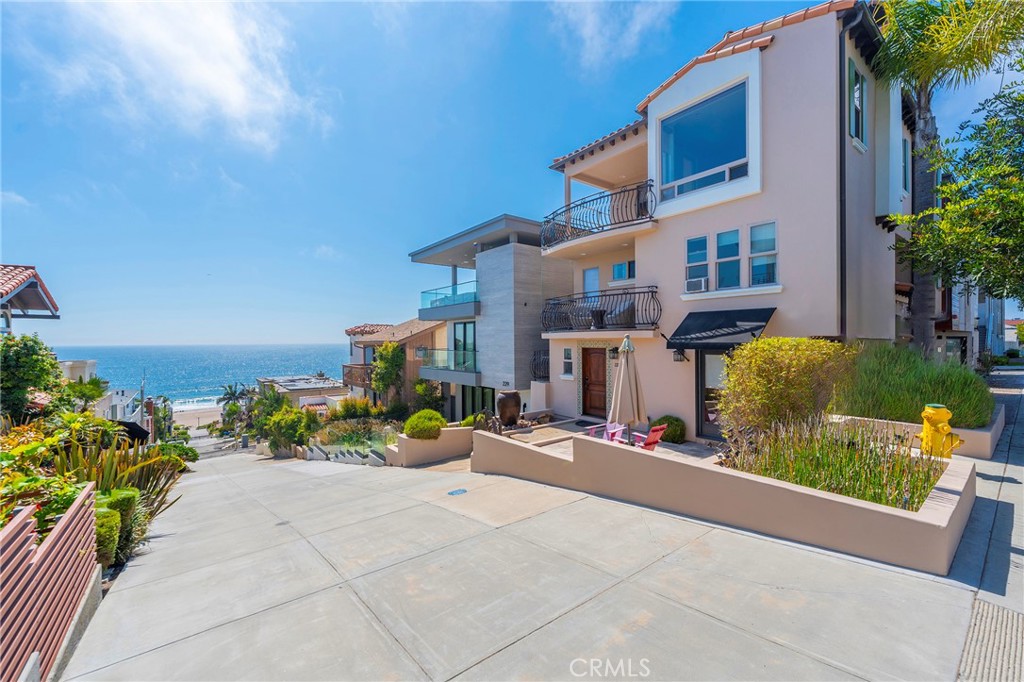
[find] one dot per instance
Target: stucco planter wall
(454, 442)
(978, 443)
(925, 540)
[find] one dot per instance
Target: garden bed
(455, 441)
(924, 540)
(978, 443)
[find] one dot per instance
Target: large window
(696, 258)
(591, 280)
(705, 144)
(858, 95)
(464, 346)
(763, 255)
(727, 259)
(624, 270)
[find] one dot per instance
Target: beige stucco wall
(925, 540)
(799, 192)
(454, 442)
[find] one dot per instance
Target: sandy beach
(197, 417)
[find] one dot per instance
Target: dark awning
(135, 432)
(719, 329)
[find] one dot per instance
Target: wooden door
(595, 389)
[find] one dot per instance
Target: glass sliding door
(476, 399)
(710, 379)
(464, 346)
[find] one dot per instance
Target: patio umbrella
(628, 406)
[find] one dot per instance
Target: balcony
(601, 213)
(448, 365)
(453, 302)
(356, 375)
(609, 310)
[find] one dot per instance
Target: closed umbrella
(628, 406)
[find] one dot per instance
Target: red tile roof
(13, 276)
(635, 125)
(367, 328)
(749, 38)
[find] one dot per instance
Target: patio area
(313, 570)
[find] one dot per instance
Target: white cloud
(13, 198)
(196, 64)
(326, 252)
(604, 33)
(234, 186)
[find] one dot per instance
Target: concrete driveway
(298, 570)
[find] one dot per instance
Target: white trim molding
(729, 293)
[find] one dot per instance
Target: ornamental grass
(895, 383)
(848, 459)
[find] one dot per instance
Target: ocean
(192, 376)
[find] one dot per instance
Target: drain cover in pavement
(457, 491)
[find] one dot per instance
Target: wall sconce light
(613, 353)
(679, 356)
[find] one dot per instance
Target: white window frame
(707, 252)
(761, 254)
(737, 257)
(568, 367)
(673, 187)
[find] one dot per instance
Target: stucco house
(749, 197)
(415, 336)
(492, 319)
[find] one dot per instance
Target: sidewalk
(991, 556)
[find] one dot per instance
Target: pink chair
(647, 441)
(610, 431)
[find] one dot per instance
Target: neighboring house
(749, 198)
(492, 323)
(23, 294)
(415, 336)
(356, 374)
(1010, 334)
(991, 322)
(85, 370)
(295, 388)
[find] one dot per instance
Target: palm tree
(930, 45)
(232, 394)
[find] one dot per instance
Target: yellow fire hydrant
(937, 437)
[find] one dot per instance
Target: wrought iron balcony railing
(450, 295)
(447, 358)
(356, 375)
(599, 212)
(632, 308)
(540, 368)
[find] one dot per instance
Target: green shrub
(428, 395)
(1013, 353)
(397, 411)
(846, 458)
(108, 530)
(777, 379)
(185, 452)
(350, 408)
(676, 431)
(425, 425)
(125, 501)
(895, 383)
(286, 428)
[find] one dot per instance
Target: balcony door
(595, 389)
(464, 345)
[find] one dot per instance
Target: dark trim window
(858, 96)
(567, 362)
(464, 346)
(705, 144)
(906, 165)
(624, 270)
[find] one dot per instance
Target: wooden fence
(43, 585)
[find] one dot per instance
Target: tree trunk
(922, 301)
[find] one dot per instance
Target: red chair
(647, 441)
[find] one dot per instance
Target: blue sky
(215, 173)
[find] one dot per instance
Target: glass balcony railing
(454, 360)
(450, 295)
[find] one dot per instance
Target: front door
(595, 387)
